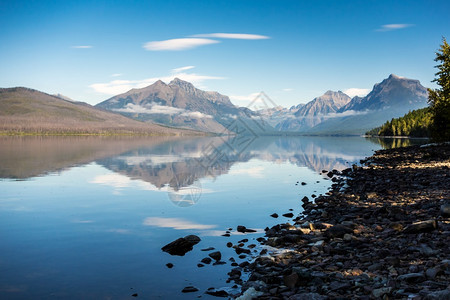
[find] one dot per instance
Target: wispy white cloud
(195, 114)
(346, 113)
(154, 109)
(161, 109)
(176, 223)
(178, 44)
(82, 47)
(287, 90)
(116, 87)
(352, 92)
(390, 27)
(116, 75)
(244, 100)
(178, 70)
(237, 36)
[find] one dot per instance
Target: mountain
(314, 112)
(391, 98)
(178, 104)
(395, 91)
(29, 111)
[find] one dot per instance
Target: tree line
(416, 123)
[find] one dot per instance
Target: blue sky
(292, 50)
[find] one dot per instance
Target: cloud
(346, 113)
(352, 92)
(196, 114)
(245, 99)
(178, 44)
(82, 47)
(116, 87)
(116, 75)
(178, 70)
(390, 27)
(154, 109)
(237, 36)
(161, 109)
(175, 223)
(287, 90)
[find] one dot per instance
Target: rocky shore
(381, 232)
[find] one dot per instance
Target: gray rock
(432, 272)
(439, 295)
(307, 296)
(378, 293)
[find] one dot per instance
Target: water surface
(86, 217)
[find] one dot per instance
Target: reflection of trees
(389, 143)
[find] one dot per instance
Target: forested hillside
(416, 123)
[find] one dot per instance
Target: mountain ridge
(28, 111)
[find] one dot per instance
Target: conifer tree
(439, 99)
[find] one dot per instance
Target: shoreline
(381, 232)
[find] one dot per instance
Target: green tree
(439, 99)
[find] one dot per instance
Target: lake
(86, 217)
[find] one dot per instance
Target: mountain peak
(177, 81)
(393, 76)
(160, 82)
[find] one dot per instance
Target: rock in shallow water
(182, 245)
(190, 289)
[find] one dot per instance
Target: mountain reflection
(173, 163)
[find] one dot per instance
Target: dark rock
(445, 210)
(240, 250)
(226, 235)
(439, 295)
(274, 215)
(190, 289)
(134, 295)
(208, 249)
(291, 280)
(217, 293)
(244, 229)
(241, 229)
(200, 265)
(307, 296)
(216, 255)
(206, 260)
(288, 215)
(229, 244)
(338, 231)
(169, 265)
(412, 277)
(182, 245)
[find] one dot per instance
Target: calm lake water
(86, 217)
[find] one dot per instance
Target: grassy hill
(27, 111)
